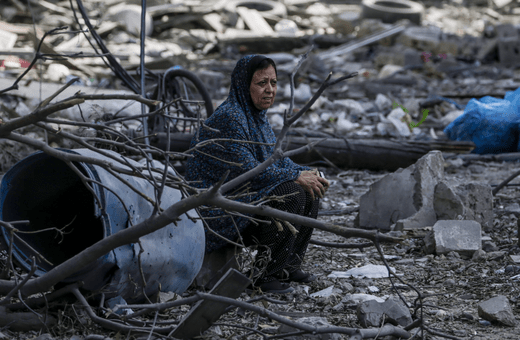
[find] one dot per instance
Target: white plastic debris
(326, 292)
(393, 125)
(354, 299)
(370, 271)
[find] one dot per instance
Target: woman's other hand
(312, 183)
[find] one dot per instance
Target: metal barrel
(46, 192)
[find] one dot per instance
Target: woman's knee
(293, 197)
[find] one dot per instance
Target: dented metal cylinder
(46, 192)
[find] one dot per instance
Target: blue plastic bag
(491, 123)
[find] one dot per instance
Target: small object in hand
(366, 74)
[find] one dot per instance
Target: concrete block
(497, 309)
(463, 237)
(403, 197)
(471, 201)
(371, 313)
(429, 170)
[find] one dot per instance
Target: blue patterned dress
(237, 118)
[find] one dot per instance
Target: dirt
(454, 284)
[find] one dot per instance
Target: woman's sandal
(299, 276)
(276, 287)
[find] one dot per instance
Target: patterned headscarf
(238, 119)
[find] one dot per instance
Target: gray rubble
(497, 309)
(372, 313)
(463, 237)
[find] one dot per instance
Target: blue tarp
(491, 123)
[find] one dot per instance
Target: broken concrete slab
(404, 197)
(130, 17)
(463, 237)
(372, 313)
(7, 40)
(497, 309)
(311, 321)
(471, 201)
(255, 21)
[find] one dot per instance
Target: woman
(242, 117)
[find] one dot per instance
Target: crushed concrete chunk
(372, 313)
(463, 237)
(472, 201)
(497, 309)
(405, 196)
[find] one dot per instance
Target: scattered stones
(372, 313)
(460, 236)
(497, 309)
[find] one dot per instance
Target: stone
(514, 258)
(463, 237)
(471, 201)
(479, 255)
(429, 243)
(497, 309)
(429, 170)
(311, 321)
(371, 313)
(489, 246)
(404, 197)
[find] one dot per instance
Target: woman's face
(263, 88)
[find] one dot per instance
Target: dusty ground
(456, 284)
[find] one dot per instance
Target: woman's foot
(298, 276)
(276, 287)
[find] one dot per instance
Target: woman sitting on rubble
(242, 117)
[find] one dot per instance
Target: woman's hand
(312, 183)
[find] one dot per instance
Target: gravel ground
(455, 285)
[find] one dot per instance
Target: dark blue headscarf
(237, 118)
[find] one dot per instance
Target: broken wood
(372, 154)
